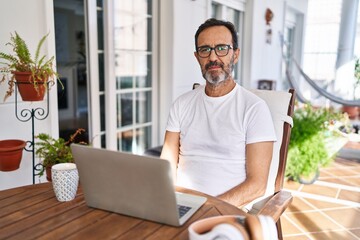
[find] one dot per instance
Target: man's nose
(213, 55)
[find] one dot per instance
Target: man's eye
(204, 49)
(221, 48)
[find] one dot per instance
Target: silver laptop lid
(133, 185)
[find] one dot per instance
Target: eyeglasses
(221, 50)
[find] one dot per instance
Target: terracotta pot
(11, 154)
(48, 173)
(26, 87)
(352, 111)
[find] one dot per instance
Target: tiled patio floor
(329, 208)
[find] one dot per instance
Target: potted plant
(54, 151)
(10, 154)
(32, 75)
(309, 143)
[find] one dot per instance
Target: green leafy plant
(54, 151)
(20, 60)
(307, 150)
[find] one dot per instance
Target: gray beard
(215, 80)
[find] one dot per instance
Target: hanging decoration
(269, 15)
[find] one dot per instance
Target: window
(322, 36)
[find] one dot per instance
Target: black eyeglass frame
(214, 48)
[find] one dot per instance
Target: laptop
(133, 185)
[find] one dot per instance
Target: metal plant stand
(32, 114)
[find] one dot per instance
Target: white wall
(186, 68)
(32, 19)
(266, 58)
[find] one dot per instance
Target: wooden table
(32, 212)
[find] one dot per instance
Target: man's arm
(258, 159)
(170, 150)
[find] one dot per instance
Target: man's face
(216, 69)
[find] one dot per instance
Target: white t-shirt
(213, 135)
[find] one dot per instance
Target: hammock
(294, 85)
(319, 89)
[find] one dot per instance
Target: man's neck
(221, 89)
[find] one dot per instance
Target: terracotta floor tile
(298, 205)
(349, 195)
(337, 180)
(320, 190)
(288, 228)
(353, 180)
(338, 162)
(323, 205)
(291, 185)
(333, 235)
(339, 172)
(346, 162)
(323, 173)
(349, 218)
(313, 221)
(300, 237)
(343, 163)
(356, 232)
(352, 145)
(356, 169)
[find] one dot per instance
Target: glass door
(124, 86)
(72, 68)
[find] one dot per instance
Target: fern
(12, 60)
(21, 50)
(42, 40)
(21, 61)
(41, 61)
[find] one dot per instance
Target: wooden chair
(275, 201)
(281, 105)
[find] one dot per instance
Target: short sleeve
(173, 123)
(260, 126)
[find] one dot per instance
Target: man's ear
(197, 57)
(236, 55)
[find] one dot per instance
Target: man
(219, 137)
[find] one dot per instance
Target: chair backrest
(281, 105)
(285, 144)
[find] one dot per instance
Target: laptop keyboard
(183, 210)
